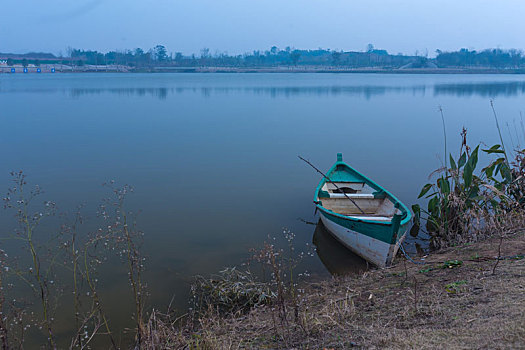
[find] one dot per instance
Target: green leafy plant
(463, 202)
(450, 264)
(451, 198)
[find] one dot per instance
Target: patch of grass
(231, 290)
(454, 287)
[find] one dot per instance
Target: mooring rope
(408, 256)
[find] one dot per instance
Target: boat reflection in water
(337, 259)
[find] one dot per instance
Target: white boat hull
(373, 250)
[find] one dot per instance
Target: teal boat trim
(382, 231)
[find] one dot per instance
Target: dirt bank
(453, 301)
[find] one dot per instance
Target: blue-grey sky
(237, 26)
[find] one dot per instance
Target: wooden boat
(362, 215)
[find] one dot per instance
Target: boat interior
(376, 205)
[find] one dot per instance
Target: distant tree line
(158, 56)
(29, 55)
(494, 58)
(371, 57)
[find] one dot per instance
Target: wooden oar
(333, 183)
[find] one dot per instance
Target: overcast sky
(237, 26)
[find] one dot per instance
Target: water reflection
(489, 89)
(482, 89)
(161, 93)
(337, 259)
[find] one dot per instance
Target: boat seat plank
(352, 195)
(346, 207)
(354, 185)
(375, 218)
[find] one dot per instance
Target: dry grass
(412, 306)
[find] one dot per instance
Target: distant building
(379, 52)
(3, 62)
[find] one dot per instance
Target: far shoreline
(51, 69)
(300, 69)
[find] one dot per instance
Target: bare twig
(307, 222)
(499, 254)
(415, 293)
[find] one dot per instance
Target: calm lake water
(213, 157)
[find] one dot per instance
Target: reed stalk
(444, 135)
(499, 132)
(96, 299)
(28, 230)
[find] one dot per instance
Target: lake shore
(61, 68)
(457, 299)
(315, 69)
